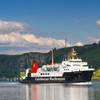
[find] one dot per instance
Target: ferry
(72, 70)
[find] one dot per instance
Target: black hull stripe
(72, 77)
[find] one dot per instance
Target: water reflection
(17, 91)
(58, 92)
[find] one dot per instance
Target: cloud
(11, 26)
(94, 39)
(11, 38)
(20, 43)
(16, 43)
(14, 39)
(98, 22)
(47, 41)
(78, 44)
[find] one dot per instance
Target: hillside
(11, 65)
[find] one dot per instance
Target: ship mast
(65, 42)
(65, 48)
(52, 57)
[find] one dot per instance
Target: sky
(40, 25)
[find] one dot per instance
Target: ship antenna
(52, 57)
(65, 47)
(65, 42)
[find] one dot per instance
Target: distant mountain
(11, 65)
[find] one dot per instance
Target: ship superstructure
(72, 70)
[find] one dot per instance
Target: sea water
(18, 91)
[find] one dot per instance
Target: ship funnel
(35, 66)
